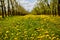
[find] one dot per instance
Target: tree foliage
(47, 7)
(13, 8)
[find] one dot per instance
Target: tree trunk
(2, 6)
(12, 4)
(59, 7)
(8, 8)
(5, 11)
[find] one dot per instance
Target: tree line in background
(43, 7)
(47, 7)
(12, 8)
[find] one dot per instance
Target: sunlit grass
(30, 27)
(0, 16)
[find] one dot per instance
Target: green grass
(30, 27)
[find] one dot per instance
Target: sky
(27, 4)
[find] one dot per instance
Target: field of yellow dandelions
(30, 27)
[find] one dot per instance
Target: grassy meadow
(30, 27)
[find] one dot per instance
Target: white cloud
(27, 4)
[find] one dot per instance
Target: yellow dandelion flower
(7, 31)
(47, 35)
(43, 16)
(46, 32)
(53, 34)
(12, 33)
(32, 37)
(41, 36)
(35, 34)
(6, 37)
(57, 39)
(25, 31)
(42, 29)
(53, 38)
(17, 34)
(37, 28)
(15, 38)
(18, 29)
(26, 35)
(45, 19)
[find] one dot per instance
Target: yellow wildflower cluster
(36, 27)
